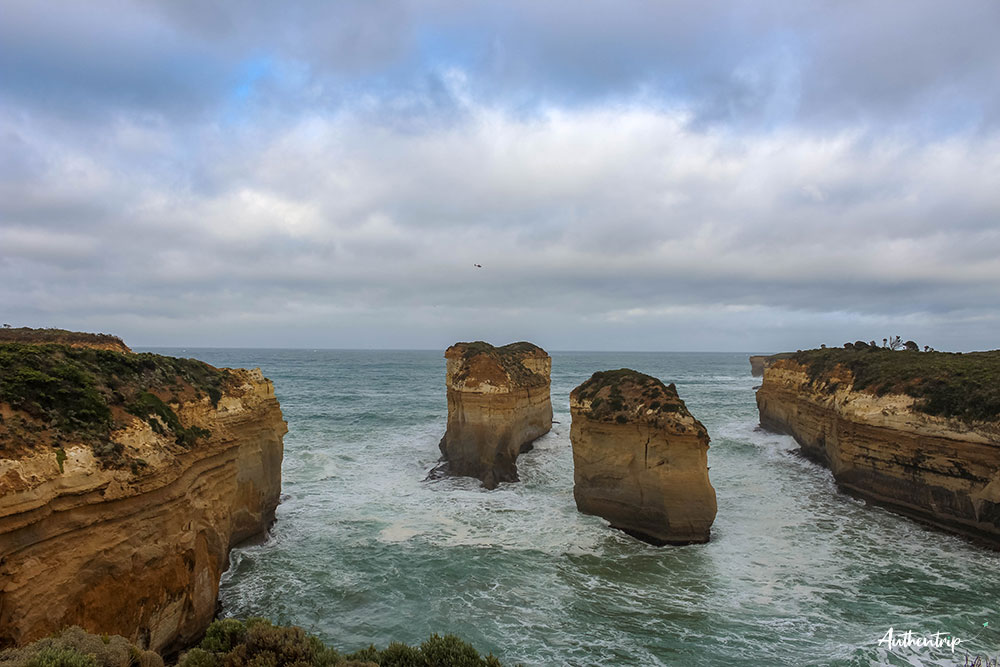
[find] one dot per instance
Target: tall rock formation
(125, 479)
(640, 459)
(498, 404)
(866, 415)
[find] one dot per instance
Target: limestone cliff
(124, 481)
(870, 417)
(640, 459)
(760, 362)
(498, 404)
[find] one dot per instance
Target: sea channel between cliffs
(366, 551)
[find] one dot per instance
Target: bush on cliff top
(625, 394)
(258, 643)
(59, 392)
(946, 384)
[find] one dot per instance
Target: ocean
(365, 551)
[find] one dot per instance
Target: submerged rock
(498, 404)
(640, 458)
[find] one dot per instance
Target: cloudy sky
(646, 175)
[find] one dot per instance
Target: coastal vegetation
(508, 357)
(615, 395)
(53, 394)
(964, 386)
(255, 642)
(10, 334)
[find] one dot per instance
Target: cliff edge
(640, 459)
(96, 341)
(125, 479)
(498, 404)
(917, 432)
(760, 362)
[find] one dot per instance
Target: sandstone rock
(941, 471)
(498, 404)
(760, 362)
(138, 551)
(640, 458)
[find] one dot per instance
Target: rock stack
(640, 459)
(498, 404)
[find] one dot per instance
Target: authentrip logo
(909, 640)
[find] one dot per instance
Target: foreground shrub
(258, 643)
(75, 647)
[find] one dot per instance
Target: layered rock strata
(760, 362)
(134, 543)
(640, 459)
(498, 404)
(884, 448)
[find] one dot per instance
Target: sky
(644, 175)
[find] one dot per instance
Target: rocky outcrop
(760, 362)
(884, 447)
(640, 459)
(498, 404)
(134, 543)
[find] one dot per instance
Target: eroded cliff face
(498, 404)
(941, 471)
(138, 551)
(640, 459)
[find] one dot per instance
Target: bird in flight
(478, 266)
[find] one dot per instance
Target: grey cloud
(662, 176)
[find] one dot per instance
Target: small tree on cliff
(892, 343)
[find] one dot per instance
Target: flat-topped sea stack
(640, 459)
(498, 404)
(125, 479)
(917, 432)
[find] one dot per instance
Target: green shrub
(450, 651)
(368, 654)
(198, 657)
(71, 393)
(74, 647)
(258, 643)
(61, 657)
(398, 654)
(223, 635)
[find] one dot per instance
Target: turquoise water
(365, 551)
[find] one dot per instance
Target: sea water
(365, 550)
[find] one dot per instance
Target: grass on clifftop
(945, 384)
(508, 357)
(59, 336)
(55, 393)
